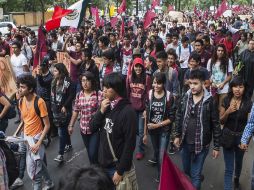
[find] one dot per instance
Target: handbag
(227, 138)
(129, 181)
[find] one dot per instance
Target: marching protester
(246, 58)
(159, 118)
(35, 128)
(116, 120)
(197, 122)
(62, 95)
(86, 104)
(138, 85)
(233, 116)
(220, 68)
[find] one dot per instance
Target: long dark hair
(237, 81)
(63, 73)
(223, 61)
(151, 45)
(136, 79)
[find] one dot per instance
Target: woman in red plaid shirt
(86, 104)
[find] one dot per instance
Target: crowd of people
(181, 86)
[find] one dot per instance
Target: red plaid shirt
(86, 106)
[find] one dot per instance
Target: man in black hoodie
(116, 120)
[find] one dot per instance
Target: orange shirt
(32, 122)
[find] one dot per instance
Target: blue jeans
(233, 159)
(37, 182)
(193, 164)
(160, 145)
(22, 159)
(140, 132)
(252, 177)
(91, 142)
(64, 138)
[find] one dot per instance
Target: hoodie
(120, 123)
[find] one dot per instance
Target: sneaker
(236, 184)
(59, 158)
(139, 156)
(152, 161)
(67, 148)
(17, 183)
(157, 180)
(49, 186)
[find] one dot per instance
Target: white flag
(76, 17)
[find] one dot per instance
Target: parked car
(3, 27)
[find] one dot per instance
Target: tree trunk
(42, 11)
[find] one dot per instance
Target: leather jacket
(209, 117)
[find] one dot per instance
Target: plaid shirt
(87, 106)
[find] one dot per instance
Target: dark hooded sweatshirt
(120, 122)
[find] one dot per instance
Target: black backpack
(11, 163)
(11, 112)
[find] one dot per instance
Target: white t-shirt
(17, 63)
(184, 54)
(218, 76)
(163, 36)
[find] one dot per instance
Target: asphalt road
(213, 169)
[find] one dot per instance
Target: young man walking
(116, 120)
(197, 122)
(35, 128)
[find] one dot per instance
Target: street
(213, 169)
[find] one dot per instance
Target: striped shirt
(249, 129)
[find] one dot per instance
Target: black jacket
(209, 119)
(121, 124)
(247, 71)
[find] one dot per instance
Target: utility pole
(136, 7)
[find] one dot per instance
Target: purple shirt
(74, 69)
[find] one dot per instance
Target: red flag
(155, 3)
(113, 21)
(171, 8)
(41, 48)
(122, 29)
(122, 7)
(95, 14)
(221, 9)
(93, 11)
(172, 178)
(237, 8)
(56, 18)
(196, 11)
(148, 18)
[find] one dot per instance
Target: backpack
(11, 163)
(180, 49)
(11, 112)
